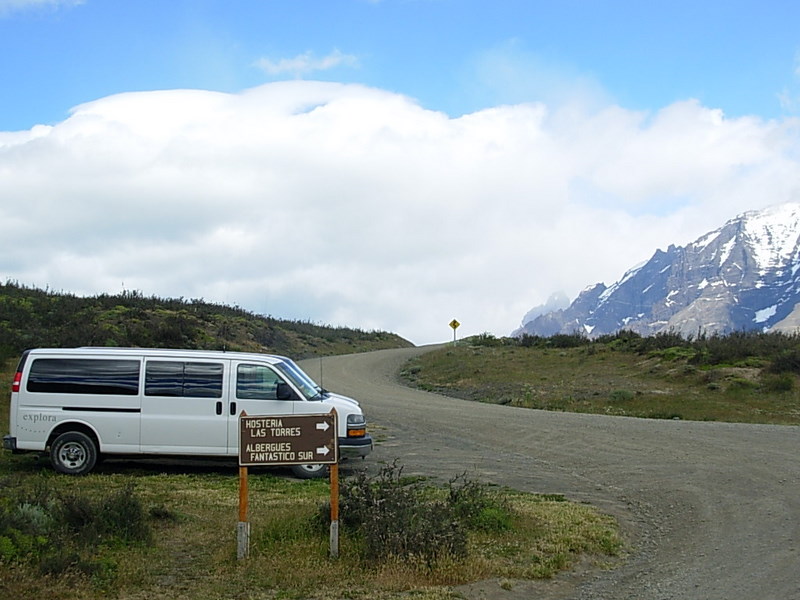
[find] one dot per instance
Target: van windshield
(304, 383)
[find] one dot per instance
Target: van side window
(257, 382)
(178, 379)
(84, 376)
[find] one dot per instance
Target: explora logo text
(39, 417)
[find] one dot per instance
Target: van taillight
(17, 380)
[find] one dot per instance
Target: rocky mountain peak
(742, 276)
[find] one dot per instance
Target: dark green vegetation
(68, 531)
(31, 318)
(742, 377)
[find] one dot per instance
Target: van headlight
(356, 425)
(356, 419)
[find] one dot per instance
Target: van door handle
(219, 408)
(233, 408)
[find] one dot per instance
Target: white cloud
(349, 205)
(11, 6)
(306, 63)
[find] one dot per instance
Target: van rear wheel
(310, 471)
(73, 453)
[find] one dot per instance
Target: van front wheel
(310, 471)
(73, 453)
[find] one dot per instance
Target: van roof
(159, 352)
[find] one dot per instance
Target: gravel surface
(709, 510)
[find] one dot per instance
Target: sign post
(243, 526)
(275, 440)
(334, 537)
(455, 325)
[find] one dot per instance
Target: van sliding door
(184, 410)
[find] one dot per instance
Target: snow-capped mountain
(743, 276)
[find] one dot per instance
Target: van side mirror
(284, 392)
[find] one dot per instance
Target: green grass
(191, 553)
(597, 379)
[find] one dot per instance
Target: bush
(782, 382)
(487, 339)
(397, 516)
(532, 341)
(734, 348)
(624, 340)
(738, 346)
(787, 361)
(675, 353)
(62, 532)
(563, 340)
(120, 516)
(663, 340)
(475, 507)
(740, 383)
(394, 518)
(621, 396)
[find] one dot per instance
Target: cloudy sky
(384, 164)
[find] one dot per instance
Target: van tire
(310, 471)
(73, 453)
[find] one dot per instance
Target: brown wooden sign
(288, 439)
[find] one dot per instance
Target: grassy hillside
(32, 318)
(750, 378)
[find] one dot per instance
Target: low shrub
(121, 516)
(621, 396)
(563, 340)
(61, 532)
(782, 382)
(487, 339)
(476, 507)
(396, 516)
(787, 361)
(532, 341)
(741, 383)
(675, 353)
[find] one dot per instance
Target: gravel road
(709, 510)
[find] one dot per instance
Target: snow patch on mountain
(773, 234)
(765, 313)
(725, 251)
(628, 275)
(706, 240)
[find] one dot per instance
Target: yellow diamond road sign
(454, 324)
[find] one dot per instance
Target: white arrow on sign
(324, 450)
(323, 426)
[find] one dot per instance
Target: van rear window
(84, 376)
(178, 379)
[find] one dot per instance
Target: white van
(83, 403)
